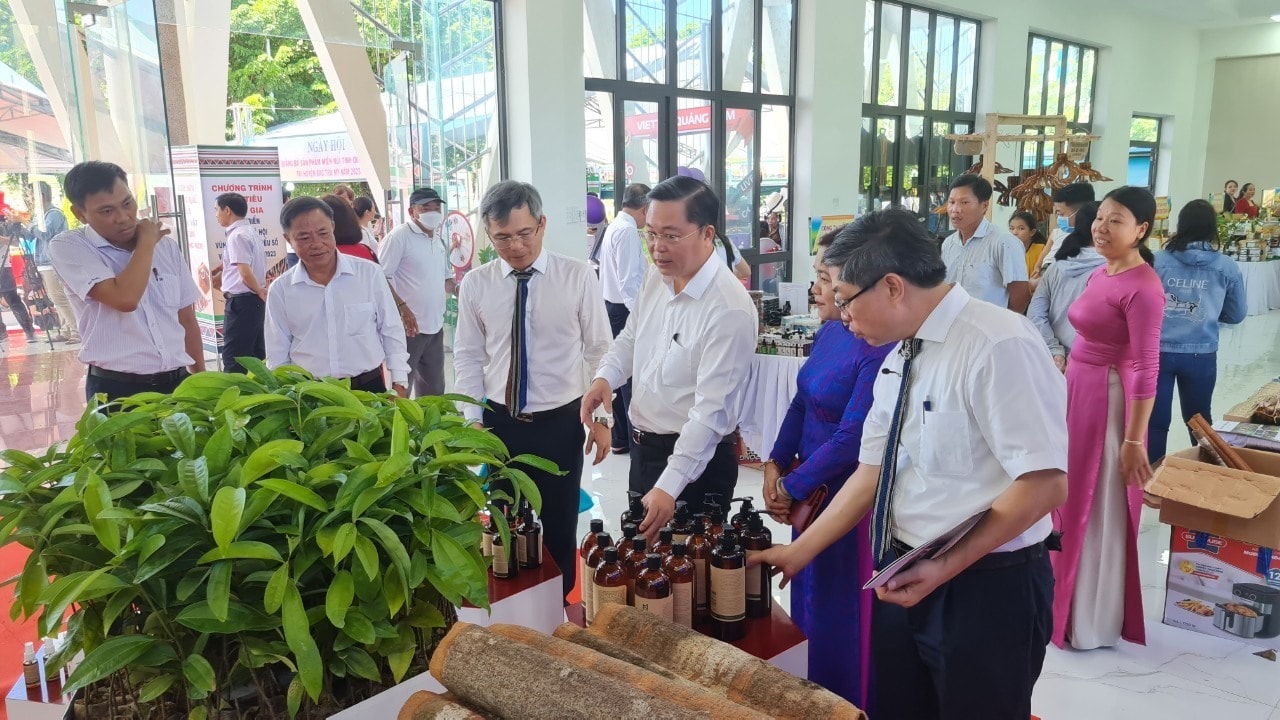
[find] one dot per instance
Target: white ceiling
(1208, 13)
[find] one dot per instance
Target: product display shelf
(774, 638)
(41, 702)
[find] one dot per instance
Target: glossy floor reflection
(1178, 674)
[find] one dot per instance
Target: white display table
(771, 384)
(1261, 285)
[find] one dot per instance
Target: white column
(204, 45)
(546, 132)
(828, 118)
(331, 25)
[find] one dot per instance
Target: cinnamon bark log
(426, 705)
(680, 691)
(746, 679)
(500, 676)
(579, 636)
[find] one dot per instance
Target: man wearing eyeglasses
(530, 326)
(415, 260)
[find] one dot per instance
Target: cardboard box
(1222, 587)
(1230, 504)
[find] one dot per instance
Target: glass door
(399, 104)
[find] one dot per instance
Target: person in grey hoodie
(1062, 283)
(1203, 289)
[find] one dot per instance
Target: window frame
(1073, 126)
(1153, 172)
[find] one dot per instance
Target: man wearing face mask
(1067, 201)
(415, 259)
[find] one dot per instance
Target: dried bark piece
(495, 674)
(747, 680)
(682, 692)
(579, 636)
(426, 705)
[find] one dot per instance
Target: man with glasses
(968, 422)
(988, 262)
(530, 326)
(415, 260)
(687, 348)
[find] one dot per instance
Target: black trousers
(373, 381)
(116, 387)
(558, 436)
(242, 330)
(618, 314)
(971, 649)
(649, 459)
(19, 309)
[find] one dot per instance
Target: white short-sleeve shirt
(417, 264)
(985, 264)
(985, 406)
(244, 246)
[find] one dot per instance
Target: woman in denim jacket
(1203, 288)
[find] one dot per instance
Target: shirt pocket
(168, 289)
(677, 368)
(359, 317)
(944, 443)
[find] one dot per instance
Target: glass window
(1053, 95)
(918, 61)
(738, 18)
(739, 176)
(600, 51)
(693, 140)
(1071, 104)
(640, 142)
(598, 115)
(775, 56)
(693, 44)
(1060, 80)
(890, 54)
(646, 33)
(966, 72)
(1035, 77)
(1088, 74)
(868, 49)
(944, 52)
(775, 173)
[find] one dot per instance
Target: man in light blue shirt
(54, 223)
(988, 262)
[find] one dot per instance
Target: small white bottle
(30, 669)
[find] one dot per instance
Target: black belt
(154, 379)
(990, 561)
(648, 439)
(568, 410)
(367, 377)
(233, 296)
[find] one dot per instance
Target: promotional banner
(203, 172)
(820, 225)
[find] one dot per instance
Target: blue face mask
(1064, 224)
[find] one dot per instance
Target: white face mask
(431, 219)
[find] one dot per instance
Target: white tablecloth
(1261, 285)
(770, 387)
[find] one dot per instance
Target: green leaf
(274, 594)
(156, 687)
(338, 599)
(297, 633)
(399, 434)
(228, 505)
(259, 370)
(360, 664)
(149, 546)
(177, 427)
(450, 556)
(18, 458)
(329, 394)
(411, 410)
(199, 712)
(192, 581)
(110, 656)
(217, 451)
(163, 558)
(240, 618)
(391, 544)
(358, 451)
(261, 400)
(359, 627)
(219, 590)
(96, 499)
(395, 467)
(193, 476)
(294, 696)
(266, 458)
(367, 499)
(539, 463)
(426, 616)
(400, 663)
(367, 554)
(199, 673)
(116, 605)
(343, 541)
(528, 488)
(465, 459)
(35, 578)
(184, 508)
(242, 550)
(295, 492)
(473, 491)
(393, 589)
(114, 425)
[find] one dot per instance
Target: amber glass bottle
(665, 538)
(634, 514)
(506, 561)
(530, 540)
(633, 564)
(608, 582)
(682, 523)
(681, 570)
(603, 540)
(653, 588)
(584, 551)
(699, 552)
(728, 589)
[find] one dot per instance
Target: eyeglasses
(668, 238)
(842, 304)
(524, 236)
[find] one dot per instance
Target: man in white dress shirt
(131, 289)
(687, 349)
(333, 314)
(622, 269)
(530, 328)
(962, 634)
(985, 260)
(416, 262)
(244, 283)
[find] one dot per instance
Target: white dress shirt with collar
(622, 262)
(986, 405)
(243, 246)
(687, 355)
(146, 341)
(985, 264)
(342, 329)
(417, 265)
(566, 325)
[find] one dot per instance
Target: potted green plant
(261, 545)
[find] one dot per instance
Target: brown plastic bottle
(608, 582)
(728, 589)
(665, 538)
(584, 551)
(634, 565)
(759, 584)
(681, 570)
(681, 523)
(506, 561)
(530, 534)
(634, 514)
(715, 523)
(486, 535)
(594, 560)
(653, 589)
(699, 552)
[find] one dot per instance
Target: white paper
(795, 293)
(928, 550)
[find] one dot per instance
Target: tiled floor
(1178, 674)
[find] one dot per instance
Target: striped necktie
(518, 370)
(881, 536)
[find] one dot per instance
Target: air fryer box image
(1223, 587)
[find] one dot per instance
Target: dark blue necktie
(881, 537)
(518, 370)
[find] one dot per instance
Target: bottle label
(522, 549)
(537, 544)
(755, 578)
(677, 538)
(501, 561)
(728, 594)
(682, 603)
(486, 544)
(662, 607)
(701, 595)
(605, 595)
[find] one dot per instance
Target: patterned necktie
(881, 536)
(518, 370)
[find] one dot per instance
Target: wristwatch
(604, 420)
